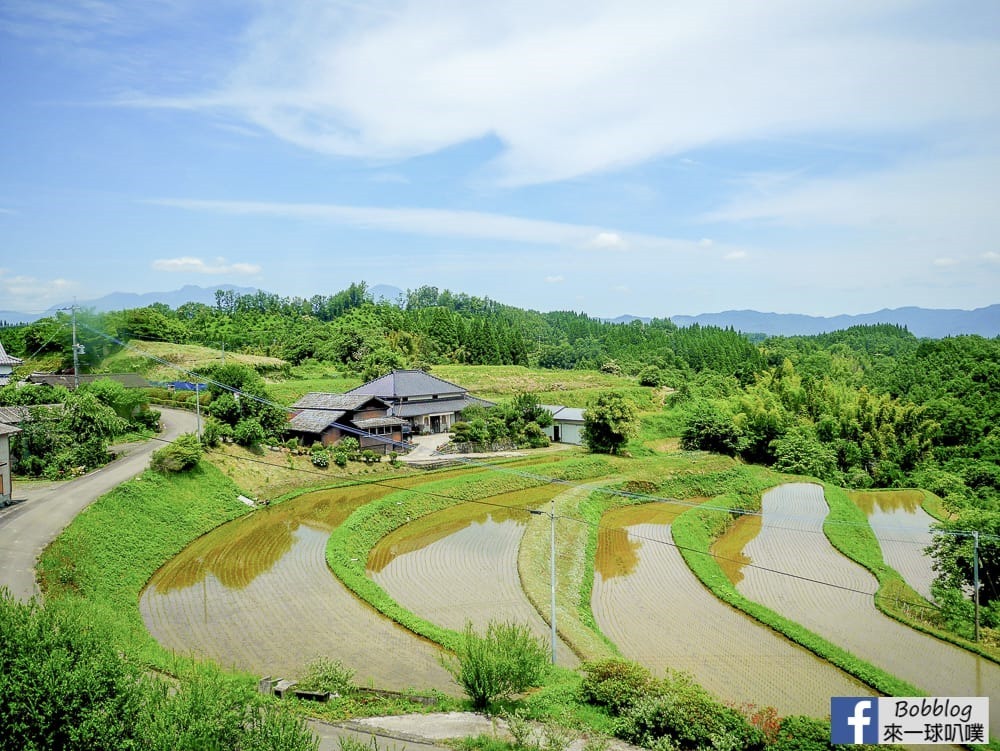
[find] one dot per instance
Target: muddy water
(256, 594)
(647, 601)
(903, 530)
(460, 565)
(791, 540)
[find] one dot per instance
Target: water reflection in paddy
(903, 530)
(460, 564)
(256, 594)
(647, 601)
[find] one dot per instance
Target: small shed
(567, 424)
(6, 431)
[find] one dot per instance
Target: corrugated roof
(6, 429)
(400, 383)
(564, 414)
(16, 415)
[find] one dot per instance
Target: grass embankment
(848, 530)
(181, 357)
(350, 544)
(108, 553)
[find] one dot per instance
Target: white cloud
(443, 223)
(736, 255)
(29, 294)
(608, 241)
(558, 278)
(613, 84)
(945, 262)
(190, 265)
(991, 256)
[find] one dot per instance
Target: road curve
(28, 526)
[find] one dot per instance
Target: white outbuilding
(567, 424)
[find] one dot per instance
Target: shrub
(615, 683)
(211, 432)
(370, 457)
(340, 458)
(504, 661)
(328, 676)
(798, 733)
(651, 376)
(181, 455)
(320, 459)
(248, 432)
(687, 715)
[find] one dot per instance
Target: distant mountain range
(931, 323)
(925, 323)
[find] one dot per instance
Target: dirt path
(791, 540)
(648, 602)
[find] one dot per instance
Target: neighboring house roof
(8, 429)
(315, 420)
(400, 383)
(564, 414)
(129, 380)
(17, 415)
(6, 359)
(348, 401)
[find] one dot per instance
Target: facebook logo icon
(853, 720)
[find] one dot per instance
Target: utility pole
(552, 567)
(76, 354)
(975, 576)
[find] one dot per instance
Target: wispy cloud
(191, 265)
(444, 223)
(555, 279)
(29, 294)
(613, 87)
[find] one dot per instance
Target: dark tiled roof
(16, 415)
(400, 383)
(348, 401)
(315, 420)
(378, 422)
(434, 406)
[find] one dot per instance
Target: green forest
(866, 407)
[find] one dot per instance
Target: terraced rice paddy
(791, 540)
(460, 565)
(256, 594)
(903, 530)
(647, 601)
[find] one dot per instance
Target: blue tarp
(181, 385)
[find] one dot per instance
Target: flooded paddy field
(460, 564)
(903, 530)
(256, 594)
(647, 601)
(791, 541)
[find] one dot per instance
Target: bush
(328, 676)
(320, 459)
(349, 446)
(615, 683)
(211, 432)
(685, 714)
(181, 455)
(651, 376)
(248, 432)
(504, 661)
(340, 458)
(370, 457)
(798, 733)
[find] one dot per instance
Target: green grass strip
(351, 543)
(849, 532)
(696, 529)
(109, 551)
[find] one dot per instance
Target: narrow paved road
(27, 527)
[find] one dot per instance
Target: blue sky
(654, 158)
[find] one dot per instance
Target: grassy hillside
(143, 359)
